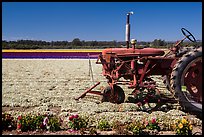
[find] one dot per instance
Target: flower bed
(87, 124)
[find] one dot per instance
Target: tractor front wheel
(118, 97)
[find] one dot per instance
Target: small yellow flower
(191, 127)
(183, 121)
(180, 125)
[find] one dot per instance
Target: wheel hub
(193, 80)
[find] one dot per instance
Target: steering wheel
(188, 35)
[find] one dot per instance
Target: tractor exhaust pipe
(127, 38)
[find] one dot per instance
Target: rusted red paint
(133, 52)
(135, 65)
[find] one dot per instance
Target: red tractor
(181, 67)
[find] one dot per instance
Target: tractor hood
(133, 52)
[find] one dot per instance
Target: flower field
(42, 91)
(51, 53)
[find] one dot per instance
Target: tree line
(81, 44)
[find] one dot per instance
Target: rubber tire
(106, 90)
(184, 50)
(118, 90)
(166, 78)
(175, 79)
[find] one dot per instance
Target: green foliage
(135, 127)
(153, 124)
(26, 123)
(81, 44)
(104, 125)
(159, 42)
(76, 122)
(38, 121)
(183, 127)
(76, 42)
(31, 122)
(54, 123)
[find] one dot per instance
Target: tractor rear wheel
(186, 81)
(118, 97)
(166, 78)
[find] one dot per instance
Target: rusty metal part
(113, 94)
(133, 52)
(135, 65)
(89, 91)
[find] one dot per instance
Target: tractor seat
(134, 52)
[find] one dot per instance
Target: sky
(100, 21)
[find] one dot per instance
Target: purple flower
(45, 121)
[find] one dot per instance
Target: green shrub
(32, 122)
(54, 123)
(183, 127)
(103, 125)
(38, 121)
(25, 123)
(76, 122)
(136, 127)
(153, 124)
